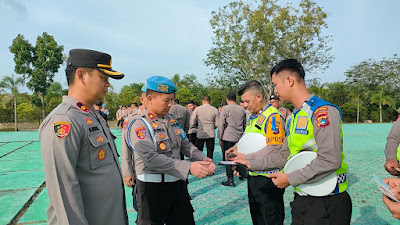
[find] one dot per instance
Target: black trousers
(225, 146)
(266, 201)
(192, 138)
(119, 124)
(209, 145)
(163, 203)
(331, 209)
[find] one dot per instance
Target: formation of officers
(85, 180)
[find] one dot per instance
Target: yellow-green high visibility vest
(256, 124)
(398, 153)
(301, 136)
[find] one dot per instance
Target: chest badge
(82, 107)
(89, 121)
(101, 154)
(162, 136)
(172, 121)
(301, 125)
(62, 129)
(151, 116)
(154, 125)
(260, 120)
(178, 131)
(100, 139)
(125, 125)
(162, 146)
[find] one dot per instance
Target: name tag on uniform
(301, 131)
(93, 129)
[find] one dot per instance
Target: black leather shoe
(229, 183)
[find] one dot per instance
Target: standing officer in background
(392, 150)
(265, 199)
(204, 118)
(127, 159)
(192, 132)
(157, 139)
(118, 115)
(315, 125)
(232, 122)
(182, 115)
(80, 158)
(276, 102)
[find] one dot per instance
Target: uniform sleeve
(327, 133)
(194, 119)
(60, 156)
(275, 154)
(221, 123)
(187, 121)
(126, 157)
(393, 141)
(143, 144)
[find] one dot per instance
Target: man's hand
(232, 150)
(211, 167)
(200, 169)
(241, 161)
(128, 181)
(394, 184)
(394, 207)
(280, 179)
(392, 166)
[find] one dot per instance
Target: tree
(130, 93)
(8, 82)
(249, 39)
(53, 97)
(37, 63)
(28, 112)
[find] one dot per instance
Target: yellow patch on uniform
(154, 125)
(61, 129)
(101, 154)
(323, 120)
(178, 131)
(125, 125)
(172, 120)
(302, 122)
(260, 120)
(162, 136)
(162, 146)
(151, 116)
(321, 109)
(100, 139)
(89, 121)
(162, 87)
(274, 134)
(140, 132)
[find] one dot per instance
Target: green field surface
(21, 175)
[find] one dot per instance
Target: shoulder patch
(82, 107)
(322, 119)
(321, 109)
(274, 134)
(140, 132)
(62, 129)
(125, 125)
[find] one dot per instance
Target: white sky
(150, 37)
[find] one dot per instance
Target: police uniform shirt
(118, 113)
(127, 162)
(232, 122)
(393, 141)
(182, 115)
(81, 167)
(204, 118)
(163, 155)
(192, 129)
(329, 154)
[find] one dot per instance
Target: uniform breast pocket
(163, 143)
(100, 151)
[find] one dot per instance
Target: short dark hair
(252, 85)
(191, 102)
(70, 73)
(206, 98)
(231, 96)
(135, 104)
(177, 101)
(291, 65)
(99, 103)
(223, 103)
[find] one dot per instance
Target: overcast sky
(147, 38)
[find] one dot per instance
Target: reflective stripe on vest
(301, 137)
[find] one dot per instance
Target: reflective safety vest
(398, 153)
(256, 124)
(301, 136)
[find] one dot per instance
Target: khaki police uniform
(393, 142)
(81, 166)
(192, 132)
(182, 115)
(205, 119)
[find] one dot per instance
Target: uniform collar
(75, 103)
(305, 102)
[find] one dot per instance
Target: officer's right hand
(128, 181)
(392, 166)
(199, 169)
(232, 150)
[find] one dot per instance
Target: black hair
(291, 65)
(252, 85)
(231, 96)
(177, 101)
(191, 102)
(206, 98)
(99, 103)
(135, 104)
(224, 103)
(70, 73)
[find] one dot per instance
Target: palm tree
(381, 100)
(8, 82)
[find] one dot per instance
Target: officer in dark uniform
(157, 139)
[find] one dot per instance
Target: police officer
(392, 150)
(157, 139)
(182, 115)
(276, 102)
(192, 132)
(315, 125)
(80, 158)
(127, 159)
(118, 114)
(231, 124)
(265, 199)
